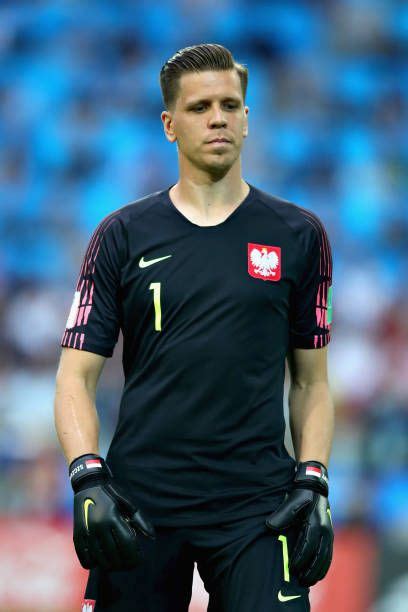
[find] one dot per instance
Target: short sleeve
(311, 301)
(94, 319)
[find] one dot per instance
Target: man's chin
(218, 165)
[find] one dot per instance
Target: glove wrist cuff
(88, 470)
(312, 475)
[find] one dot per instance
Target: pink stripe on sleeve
(93, 244)
(82, 272)
(325, 271)
(91, 293)
(85, 294)
(87, 313)
(96, 246)
(85, 285)
(326, 260)
(80, 315)
(325, 263)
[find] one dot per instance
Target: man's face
(209, 119)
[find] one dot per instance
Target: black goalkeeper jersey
(208, 315)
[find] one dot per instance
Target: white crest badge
(264, 261)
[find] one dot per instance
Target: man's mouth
(219, 140)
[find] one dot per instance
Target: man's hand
(307, 506)
(107, 527)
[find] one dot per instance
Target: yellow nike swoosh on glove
(88, 502)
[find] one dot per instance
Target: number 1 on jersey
(285, 553)
(155, 287)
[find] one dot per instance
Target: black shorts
(242, 564)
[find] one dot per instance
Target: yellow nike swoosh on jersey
(87, 503)
(287, 597)
(143, 263)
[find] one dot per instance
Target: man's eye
(202, 107)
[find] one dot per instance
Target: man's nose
(217, 117)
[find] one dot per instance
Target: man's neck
(208, 202)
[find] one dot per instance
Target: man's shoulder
(296, 217)
(114, 227)
(138, 207)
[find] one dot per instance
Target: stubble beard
(216, 166)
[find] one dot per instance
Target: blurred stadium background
(81, 136)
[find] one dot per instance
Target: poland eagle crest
(264, 261)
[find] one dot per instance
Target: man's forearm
(311, 413)
(76, 419)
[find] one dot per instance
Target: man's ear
(168, 126)
(245, 130)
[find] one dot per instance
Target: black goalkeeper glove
(107, 526)
(307, 506)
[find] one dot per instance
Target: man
(214, 284)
